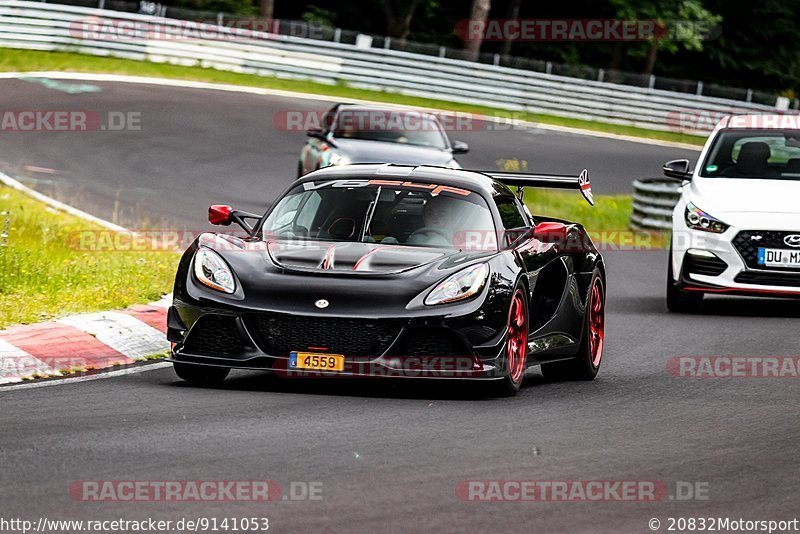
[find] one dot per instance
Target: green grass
(44, 272)
(12, 60)
(606, 221)
(609, 214)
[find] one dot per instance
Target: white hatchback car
(736, 228)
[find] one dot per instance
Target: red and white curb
(84, 342)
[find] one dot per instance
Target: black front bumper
(418, 347)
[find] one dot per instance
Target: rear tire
(201, 375)
(585, 365)
(681, 301)
(515, 361)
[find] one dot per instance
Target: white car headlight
(459, 286)
(212, 271)
(338, 159)
(697, 219)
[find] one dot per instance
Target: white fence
(42, 26)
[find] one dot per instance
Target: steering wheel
(427, 231)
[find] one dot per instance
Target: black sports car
(352, 133)
(395, 271)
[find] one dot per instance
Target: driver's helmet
(442, 212)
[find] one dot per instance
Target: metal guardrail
(654, 200)
(324, 32)
(42, 26)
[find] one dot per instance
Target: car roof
(465, 179)
(387, 107)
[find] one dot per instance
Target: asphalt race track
(390, 456)
(196, 147)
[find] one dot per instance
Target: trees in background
(479, 14)
(757, 46)
(399, 14)
(267, 10)
(686, 24)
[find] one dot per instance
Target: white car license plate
(775, 257)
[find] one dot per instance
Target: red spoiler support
(580, 182)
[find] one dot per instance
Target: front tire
(516, 347)
(681, 301)
(585, 365)
(201, 375)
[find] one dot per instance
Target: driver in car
(439, 218)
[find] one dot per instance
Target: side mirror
(222, 215)
(460, 147)
(319, 133)
(219, 214)
(679, 169)
(316, 133)
(551, 232)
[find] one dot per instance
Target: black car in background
(370, 134)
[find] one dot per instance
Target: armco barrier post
(654, 199)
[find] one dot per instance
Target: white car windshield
(383, 211)
(768, 154)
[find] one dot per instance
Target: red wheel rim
(517, 337)
(597, 322)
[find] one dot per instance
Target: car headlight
(697, 219)
(339, 159)
(459, 286)
(212, 271)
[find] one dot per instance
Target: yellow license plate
(316, 361)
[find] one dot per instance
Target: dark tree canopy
(757, 46)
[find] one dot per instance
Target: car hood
(723, 196)
(367, 258)
(291, 276)
(360, 151)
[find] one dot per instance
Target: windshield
(769, 154)
(382, 211)
(390, 126)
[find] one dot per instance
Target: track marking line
(99, 376)
(57, 204)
